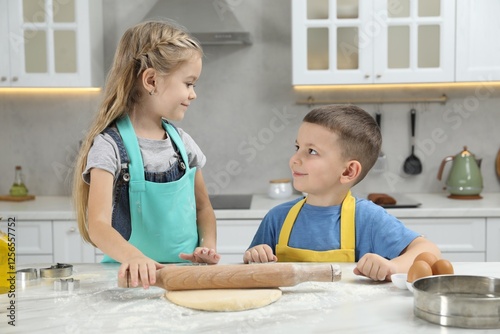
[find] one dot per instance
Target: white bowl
(409, 286)
(280, 189)
(399, 280)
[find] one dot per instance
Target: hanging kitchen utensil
(497, 167)
(381, 162)
(412, 164)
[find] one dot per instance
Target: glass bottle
(18, 188)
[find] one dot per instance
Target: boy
(335, 148)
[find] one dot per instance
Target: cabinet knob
(379, 76)
(72, 229)
(14, 79)
(3, 79)
(367, 76)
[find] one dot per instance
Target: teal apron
(163, 215)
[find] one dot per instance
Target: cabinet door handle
(3, 79)
(72, 229)
(379, 76)
(14, 79)
(367, 76)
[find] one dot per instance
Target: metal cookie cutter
(68, 284)
(27, 274)
(57, 270)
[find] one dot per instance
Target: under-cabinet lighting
(393, 93)
(56, 90)
(365, 87)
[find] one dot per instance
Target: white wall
(245, 118)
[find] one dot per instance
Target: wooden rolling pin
(238, 276)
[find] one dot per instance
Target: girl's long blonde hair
(160, 45)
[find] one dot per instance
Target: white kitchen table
(353, 305)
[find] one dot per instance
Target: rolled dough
(224, 299)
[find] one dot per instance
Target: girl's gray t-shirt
(157, 155)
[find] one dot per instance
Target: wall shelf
(393, 93)
(310, 101)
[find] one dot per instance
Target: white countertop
(353, 305)
(41, 208)
(433, 205)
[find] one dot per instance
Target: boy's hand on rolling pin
(139, 269)
(375, 267)
(259, 254)
(202, 255)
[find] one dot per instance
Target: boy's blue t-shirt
(318, 228)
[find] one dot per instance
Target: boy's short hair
(359, 134)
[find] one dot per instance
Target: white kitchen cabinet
(478, 45)
(459, 239)
(372, 41)
(233, 238)
(69, 246)
(4, 46)
(33, 241)
(50, 242)
(493, 239)
(51, 43)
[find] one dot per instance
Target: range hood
(212, 22)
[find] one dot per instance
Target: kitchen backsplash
(245, 118)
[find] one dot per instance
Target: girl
(142, 199)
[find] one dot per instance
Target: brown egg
(418, 270)
(442, 267)
(427, 257)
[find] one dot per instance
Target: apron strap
(176, 139)
(286, 229)
(347, 229)
(136, 165)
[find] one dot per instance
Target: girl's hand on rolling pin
(139, 270)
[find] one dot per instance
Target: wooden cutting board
(16, 198)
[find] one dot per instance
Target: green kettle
(464, 180)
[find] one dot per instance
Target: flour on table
(224, 299)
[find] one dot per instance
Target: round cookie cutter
(27, 274)
(57, 271)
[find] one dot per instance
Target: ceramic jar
(280, 188)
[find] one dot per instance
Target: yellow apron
(347, 237)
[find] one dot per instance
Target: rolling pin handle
(336, 272)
